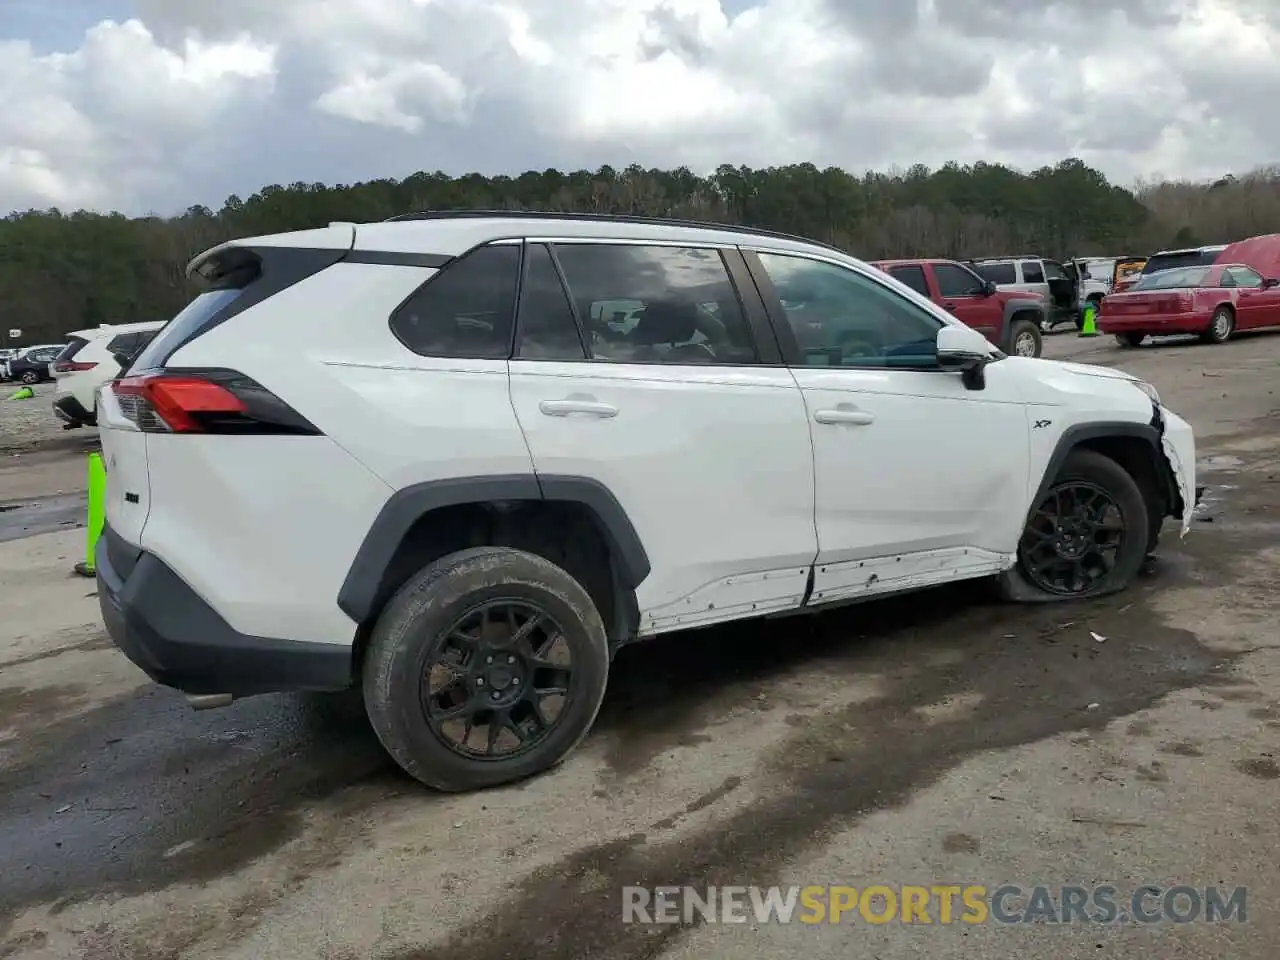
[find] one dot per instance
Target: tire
(1130, 339)
(1020, 584)
(411, 632)
(1026, 333)
(30, 377)
(1221, 327)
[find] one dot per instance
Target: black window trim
(760, 329)
(518, 327)
(782, 326)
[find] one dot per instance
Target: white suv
(420, 457)
(90, 359)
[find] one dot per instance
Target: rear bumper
(178, 640)
(1155, 324)
(70, 410)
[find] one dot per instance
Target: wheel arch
(1137, 447)
(472, 511)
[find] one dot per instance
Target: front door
(964, 294)
(1256, 305)
(705, 447)
(914, 474)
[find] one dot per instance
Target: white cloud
(189, 103)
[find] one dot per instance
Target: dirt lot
(947, 741)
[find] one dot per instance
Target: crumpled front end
(1179, 444)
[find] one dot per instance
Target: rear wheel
(1025, 339)
(487, 667)
(1221, 327)
(1130, 339)
(1087, 535)
(30, 376)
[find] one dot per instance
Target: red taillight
(205, 401)
(174, 404)
(71, 366)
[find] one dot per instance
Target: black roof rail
(1009, 256)
(609, 218)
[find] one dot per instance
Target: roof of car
(453, 232)
(910, 261)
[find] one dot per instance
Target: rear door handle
(592, 408)
(844, 415)
(951, 307)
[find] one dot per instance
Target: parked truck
(1011, 321)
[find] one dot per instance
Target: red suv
(1009, 320)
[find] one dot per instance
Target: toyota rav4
(456, 460)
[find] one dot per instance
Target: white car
(88, 361)
(414, 458)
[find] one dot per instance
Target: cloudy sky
(152, 105)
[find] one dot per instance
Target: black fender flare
(1072, 437)
(359, 592)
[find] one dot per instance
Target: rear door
(686, 416)
(964, 293)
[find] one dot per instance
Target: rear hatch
(65, 363)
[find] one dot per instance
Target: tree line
(64, 271)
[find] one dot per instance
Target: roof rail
(608, 218)
(1009, 256)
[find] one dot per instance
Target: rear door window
(689, 311)
(913, 277)
(1032, 272)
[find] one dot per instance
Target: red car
(1213, 301)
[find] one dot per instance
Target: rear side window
(184, 326)
(913, 277)
(998, 272)
(465, 310)
(656, 304)
(1032, 272)
(74, 346)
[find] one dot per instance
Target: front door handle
(951, 307)
(844, 414)
(592, 408)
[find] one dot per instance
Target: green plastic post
(97, 505)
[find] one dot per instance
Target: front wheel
(1087, 535)
(487, 667)
(1221, 327)
(1130, 339)
(1025, 339)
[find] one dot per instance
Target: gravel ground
(28, 424)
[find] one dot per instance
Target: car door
(916, 477)
(964, 294)
(688, 417)
(1031, 278)
(1256, 305)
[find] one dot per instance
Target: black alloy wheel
(498, 680)
(1074, 539)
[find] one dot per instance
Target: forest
(62, 271)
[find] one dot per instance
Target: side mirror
(989, 288)
(1270, 282)
(963, 350)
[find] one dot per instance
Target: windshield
(184, 326)
(1190, 258)
(1171, 279)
